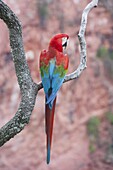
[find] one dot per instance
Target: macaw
(53, 68)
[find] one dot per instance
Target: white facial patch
(65, 42)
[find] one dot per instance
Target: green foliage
(109, 154)
(43, 12)
(106, 55)
(93, 126)
(102, 52)
(108, 66)
(111, 54)
(109, 116)
(92, 147)
(93, 132)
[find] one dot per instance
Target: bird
(53, 68)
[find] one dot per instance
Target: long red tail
(49, 119)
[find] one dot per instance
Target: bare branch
(81, 37)
(28, 88)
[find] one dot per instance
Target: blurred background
(83, 128)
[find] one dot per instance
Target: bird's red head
(59, 42)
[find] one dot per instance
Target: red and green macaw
(53, 68)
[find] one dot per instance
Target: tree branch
(81, 37)
(28, 88)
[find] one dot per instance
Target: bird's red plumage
(56, 42)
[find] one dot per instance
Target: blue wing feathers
(51, 83)
(56, 84)
(51, 68)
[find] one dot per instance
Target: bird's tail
(49, 119)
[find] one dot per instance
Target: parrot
(53, 68)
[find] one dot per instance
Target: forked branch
(28, 88)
